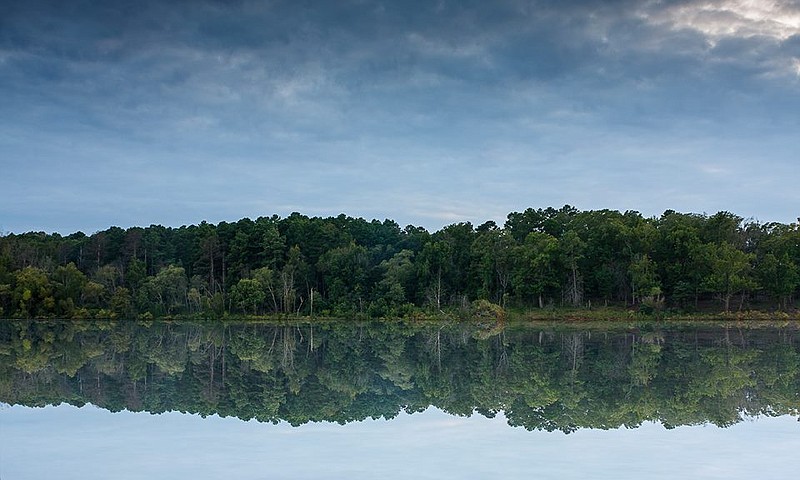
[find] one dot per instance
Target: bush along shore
(540, 264)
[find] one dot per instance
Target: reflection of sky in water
(90, 443)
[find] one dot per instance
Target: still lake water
(99, 400)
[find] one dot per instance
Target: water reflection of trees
(553, 378)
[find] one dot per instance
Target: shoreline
(601, 315)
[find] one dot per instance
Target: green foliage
(538, 268)
(122, 303)
(779, 276)
(165, 293)
(559, 377)
(248, 295)
(493, 259)
(93, 295)
(729, 272)
(344, 272)
(69, 283)
(646, 287)
(397, 285)
(342, 265)
(486, 310)
(33, 293)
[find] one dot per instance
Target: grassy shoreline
(599, 315)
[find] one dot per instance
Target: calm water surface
(398, 400)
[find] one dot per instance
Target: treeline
(343, 266)
(544, 379)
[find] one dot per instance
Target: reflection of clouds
(743, 18)
(173, 445)
(454, 422)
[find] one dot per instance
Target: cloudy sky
(128, 112)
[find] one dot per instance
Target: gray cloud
(388, 108)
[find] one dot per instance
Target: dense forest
(543, 378)
(344, 267)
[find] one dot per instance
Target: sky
(89, 443)
(131, 113)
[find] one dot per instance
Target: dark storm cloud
(530, 37)
(362, 43)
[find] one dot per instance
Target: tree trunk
(741, 302)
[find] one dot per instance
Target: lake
(130, 400)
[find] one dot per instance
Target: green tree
(723, 227)
(68, 283)
(248, 294)
(681, 256)
(571, 249)
(602, 232)
(729, 273)
(644, 280)
(291, 274)
(777, 264)
(33, 293)
(554, 222)
(779, 276)
(344, 271)
(135, 275)
(492, 263)
(108, 276)
(459, 238)
(166, 291)
(267, 278)
(434, 264)
(122, 303)
(398, 278)
(273, 244)
(536, 272)
(94, 295)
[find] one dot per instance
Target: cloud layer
(134, 113)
